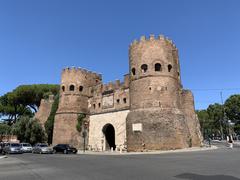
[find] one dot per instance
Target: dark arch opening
(71, 88)
(109, 132)
(80, 88)
(169, 68)
(133, 71)
(144, 68)
(63, 88)
(158, 67)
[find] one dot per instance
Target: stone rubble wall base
(161, 130)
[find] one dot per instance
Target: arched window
(80, 88)
(71, 88)
(133, 71)
(63, 88)
(169, 68)
(125, 100)
(99, 105)
(94, 106)
(158, 67)
(118, 101)
(144, 68)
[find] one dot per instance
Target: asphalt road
(217, 164)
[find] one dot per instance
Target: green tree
(205, 122)
(50, 121)
(28, 130)
(80, 122)
(24, 100)
(4, 129)
(216, 115)
(10, 107)
(31, 95)
(232, 108)
(211, 120)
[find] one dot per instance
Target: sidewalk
(194, 149)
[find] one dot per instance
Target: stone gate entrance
(109, 133)
(107, 130)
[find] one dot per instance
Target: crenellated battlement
(112, 85)
(152, 37)
(80, 70)
(117, 84)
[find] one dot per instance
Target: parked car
(26, 147)
(1, 147)
(42, 149)
(12, 148)
(64, 148)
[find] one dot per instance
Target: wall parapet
(152, 37)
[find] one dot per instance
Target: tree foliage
(24, 100)
(50, 121)
(9, 106)
(28, 130)
(209, 122)
(5, 129)
(80, 122)
(232, 108)
(203, 120)
(217, 115)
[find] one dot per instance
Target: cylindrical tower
(74, 94)
(155, 90)
(74, 91)
(155, 76)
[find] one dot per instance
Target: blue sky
(39, 38)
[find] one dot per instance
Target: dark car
(1, 147)
(64, 148)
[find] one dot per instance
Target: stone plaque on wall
(107, 102)
(137, 127)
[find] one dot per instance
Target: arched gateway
(109, 133)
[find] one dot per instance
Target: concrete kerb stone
(2, 157)
(194, 149)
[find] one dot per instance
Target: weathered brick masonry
(148, 111)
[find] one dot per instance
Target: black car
(64, 148)
(1, 147)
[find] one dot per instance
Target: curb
(147, 153)
(2, 157)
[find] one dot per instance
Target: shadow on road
(190, 176)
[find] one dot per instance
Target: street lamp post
(223, 118)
